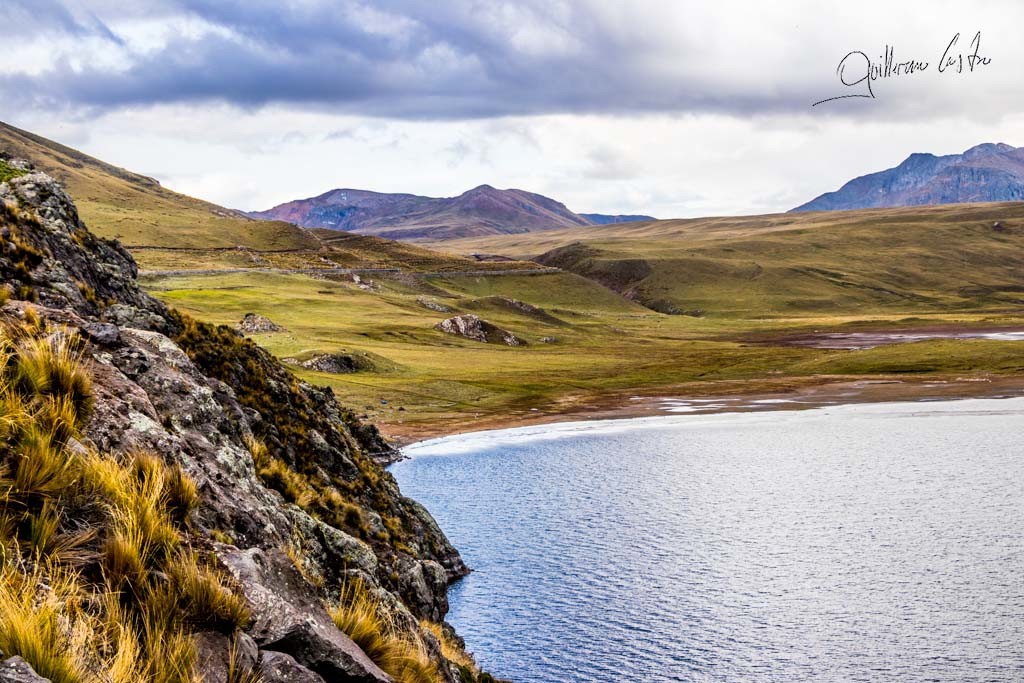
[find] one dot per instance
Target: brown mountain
(481, 211)
(985, 173)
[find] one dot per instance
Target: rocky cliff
(293, 505)
(985, 173)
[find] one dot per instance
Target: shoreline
(791, 394)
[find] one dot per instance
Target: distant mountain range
(986, 173)
(483, 210)
(605, 219)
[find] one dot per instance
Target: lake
(880, 542)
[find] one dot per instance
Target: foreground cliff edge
(175, 505)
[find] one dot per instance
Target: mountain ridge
(611, 219)
(482, 210)
(988, 172)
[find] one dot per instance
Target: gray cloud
(50, 16)
(469, 59)
(406, 59)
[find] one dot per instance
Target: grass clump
(50, 369)
(451, 649)
(98, 581)
(42, 620)
(362, 617)
(8, 172)
(275, 474)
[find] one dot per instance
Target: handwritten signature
(858, 72)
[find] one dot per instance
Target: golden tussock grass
(362, 617)
(98, 583)
(450, 649)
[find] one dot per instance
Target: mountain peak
(483, 210)
(986, 148)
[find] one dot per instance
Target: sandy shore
(721, 397)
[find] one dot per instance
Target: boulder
(420, 583)
(289, 618)
(254, 323)
(103, 334)
(473, 327)
(277, 667)
(333, 363)
(17, 670)
(433, 305)
(215, 651)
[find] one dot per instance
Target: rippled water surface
(857, 543)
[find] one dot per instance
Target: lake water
(869, 340)
(855, 543)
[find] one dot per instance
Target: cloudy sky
(668, 107)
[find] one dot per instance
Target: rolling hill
(483, 210)
(941, 258)
(116, 203)
(985, 173)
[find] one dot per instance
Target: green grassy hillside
(898, 261)
(116, 203)
(586, 345)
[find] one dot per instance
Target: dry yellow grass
(98, 583)
(450, 649)
(365, 621)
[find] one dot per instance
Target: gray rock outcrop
(473, 327)
(333, 363)
(433, 304)
(254, 323)
(277, 667)
(290, 618)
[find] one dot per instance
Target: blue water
(855, 543)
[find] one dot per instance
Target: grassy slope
(336, 250)
(894, 261)
(167, 230)
(605, 345)
(418, 366)
(116, 203)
